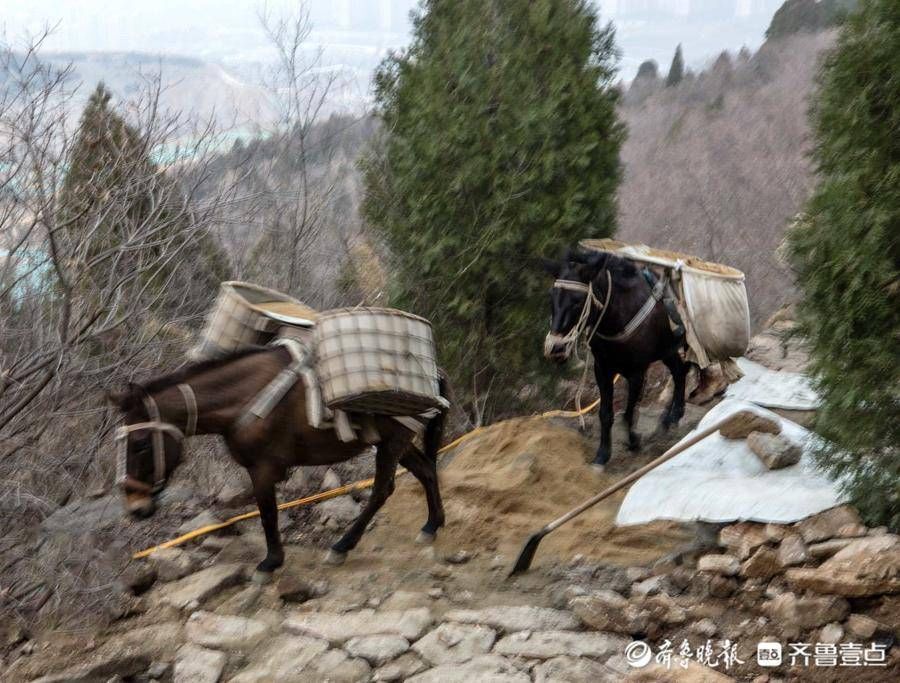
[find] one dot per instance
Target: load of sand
(511, 479)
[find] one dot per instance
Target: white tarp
(722, 480)
(771, 389)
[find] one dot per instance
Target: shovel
(530, 547)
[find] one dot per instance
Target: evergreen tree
(501, 142)
(676, 71)
(112, 194)
(846, 252)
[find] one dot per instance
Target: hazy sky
(357, 32)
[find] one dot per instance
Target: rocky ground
(827, 580)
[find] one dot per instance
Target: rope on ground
(332, 493)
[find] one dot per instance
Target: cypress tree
(501, 142)
(113, 193)
(846, 252)
(676, 71)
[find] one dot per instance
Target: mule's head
(148, 449)
(567, 303)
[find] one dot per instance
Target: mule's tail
(434, 430)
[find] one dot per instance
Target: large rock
(574, 670)
(792, 551)
(511, 619)
(341, 510)
(866, 567)
(743, 538)
(838, 522)
(763, 564)
(825, 549)
(338, 628)
(861, 627)
(455, 643)
(606, 610)
(484, 669)
(549, 644)
(195, 588)
(807, 612)
(775, 451)
(283, 659)
(726, 565)
(84, 515)
(336, 666)
(377, 650)
(224, 631)
(745, 422)
(137, 577)
(198, 665)
(172, 563)
(401, 669)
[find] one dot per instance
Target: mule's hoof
(261, 578)
(424, 538)
(599, 469)
(334, 558)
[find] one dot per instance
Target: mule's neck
(213, 399)
(624, 300)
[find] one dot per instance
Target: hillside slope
(717, 166)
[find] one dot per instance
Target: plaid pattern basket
(377, 360)
(246, 314)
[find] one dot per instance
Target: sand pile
(513, 478)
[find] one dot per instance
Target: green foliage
(676, 70)
(847, 257)
(501, 142)
(796, 16)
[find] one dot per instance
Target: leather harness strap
(656, 295)
(157, 428)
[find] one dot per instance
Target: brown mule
(210, 398)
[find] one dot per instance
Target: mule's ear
(552, 267)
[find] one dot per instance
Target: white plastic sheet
(722, 480)
(773, 389)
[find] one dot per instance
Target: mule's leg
(635, 389)
(385, 469)
(264, 491)
(605, 384)
(679, 370)
(424, 469)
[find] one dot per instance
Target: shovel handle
(637, 474)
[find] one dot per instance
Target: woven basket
(377, 360)
(246, 315)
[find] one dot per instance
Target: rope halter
(569, 341)
(157, 428)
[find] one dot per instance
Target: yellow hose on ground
(332, 493)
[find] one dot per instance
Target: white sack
(718, 312)
(722, 480)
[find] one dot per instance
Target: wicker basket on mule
(246, 314)
(711, 299)
(377, 360)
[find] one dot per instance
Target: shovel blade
(527, 554)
